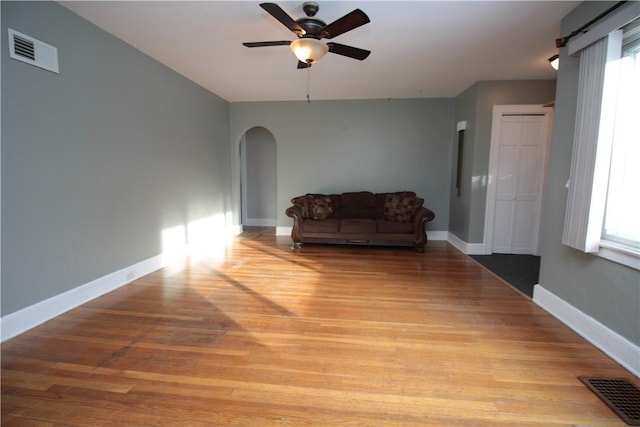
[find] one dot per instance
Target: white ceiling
(419, 48)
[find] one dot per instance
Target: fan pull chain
(308, 84)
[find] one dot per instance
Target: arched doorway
(258, 181)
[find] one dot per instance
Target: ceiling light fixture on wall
(555, 61)
(309, 50)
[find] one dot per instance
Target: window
(622, 213)
(603, 204)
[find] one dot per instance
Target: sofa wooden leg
(420, 249)
(296, 245)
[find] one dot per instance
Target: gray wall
(374, 145)
(99, 159)
(602, 289)
(460, 206)
(261, 176)
(475, 105)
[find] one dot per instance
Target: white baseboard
(283, 231)
(21, 321)
(260, 222)
(437, 235)
(464, 247)
(616, 346)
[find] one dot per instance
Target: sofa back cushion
(400, 206)
(361, 204)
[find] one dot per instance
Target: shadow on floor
(254, 232)
(521, 271)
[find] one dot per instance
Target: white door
(517, 167)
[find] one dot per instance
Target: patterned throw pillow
(313, 206)
(400, 208)
(319, 207)
(302, 203)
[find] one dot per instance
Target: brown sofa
(360, 218)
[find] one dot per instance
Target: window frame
(630, 48)
(599, 50)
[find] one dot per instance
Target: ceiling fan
(310, 30)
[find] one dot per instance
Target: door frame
(498, 112)
(242, 152)
(243, 147)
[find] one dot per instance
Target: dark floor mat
(521, 271)
(620, 394)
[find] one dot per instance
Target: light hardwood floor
(323, 336)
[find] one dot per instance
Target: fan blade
(282, 16)
(347, 23)
(350, 51)
(264, 44)
(302, 65)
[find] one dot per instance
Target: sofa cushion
(335, 205)
(315, 206)
(401, 208)
(302, 204)
(329, 225)
(357, 226)
(394, 227)
(381, 199)
(361, 204)
(319, 208)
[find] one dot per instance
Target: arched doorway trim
(257, 164)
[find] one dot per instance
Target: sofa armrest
(296, 233)
(423, 215)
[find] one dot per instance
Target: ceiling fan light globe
(309, 50)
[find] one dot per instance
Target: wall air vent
(27, 49)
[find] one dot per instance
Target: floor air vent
(27, 49)
(620, 394)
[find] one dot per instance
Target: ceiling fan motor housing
(312, 26)
(310, 8)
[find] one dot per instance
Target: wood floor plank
(322, 336)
